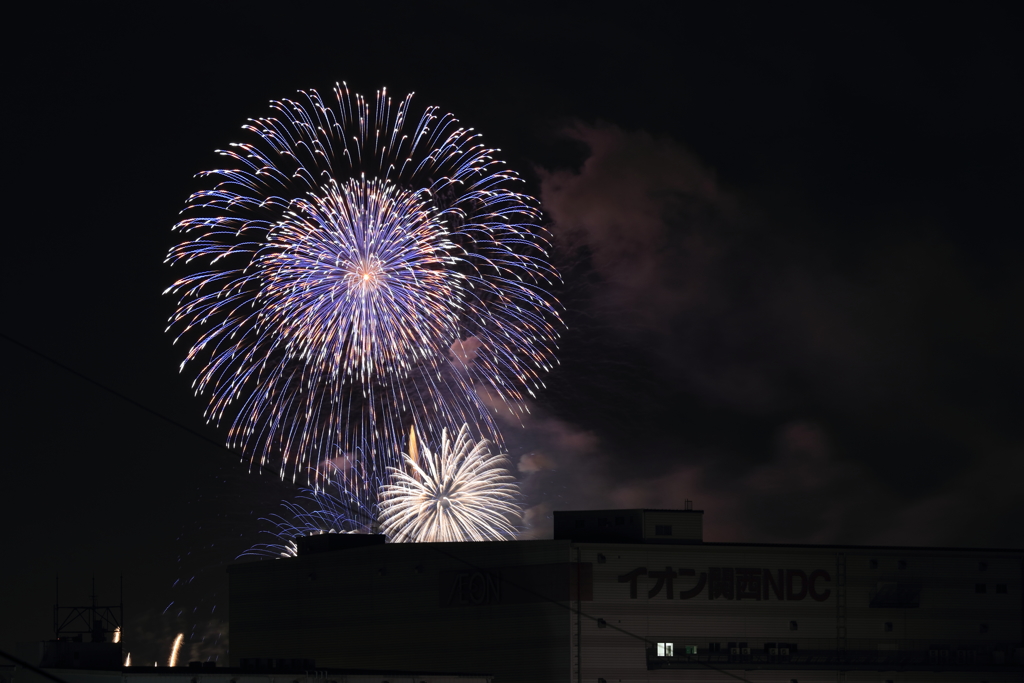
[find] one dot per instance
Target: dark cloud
(852, 388)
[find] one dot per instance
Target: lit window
(691, 649)
(662, 529)
(665, 649)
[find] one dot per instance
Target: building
(623, 596)
(197, 673)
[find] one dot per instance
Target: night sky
(790, 239)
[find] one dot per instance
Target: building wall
(145, 674)
(823, 591)
(429, 607)
(681, 524)
(594, 612)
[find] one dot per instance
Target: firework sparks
(462, 492)
(360, 270)
(175, 648)
(314, 512)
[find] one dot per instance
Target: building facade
(624, 596)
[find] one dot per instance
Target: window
(662, 529)
(714, 647)
(873, 564)
(982, 566)
(690, 649)
(980, 588)
(983, 628)
(901, 565)
(888, 627)
(1000, 588)
(603, 521)
(792, 626)
(665, 649)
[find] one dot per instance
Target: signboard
(731, 583)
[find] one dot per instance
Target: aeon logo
(732, 583)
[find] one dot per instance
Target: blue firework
(352, 270)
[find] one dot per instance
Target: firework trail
(354, 269)
(175, 648)
(462, 492)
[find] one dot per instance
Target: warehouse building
(623, 596)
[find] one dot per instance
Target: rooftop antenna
(99, 621)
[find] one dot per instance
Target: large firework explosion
(355, 270)
(460, 492)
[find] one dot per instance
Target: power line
(579, 611)
(30, 667)
(118, 394)
(174, 422)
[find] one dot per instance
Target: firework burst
(461, 492)
(353, 270)
(315, 511)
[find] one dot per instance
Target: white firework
(461, 493)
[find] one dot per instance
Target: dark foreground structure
(623, 596)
